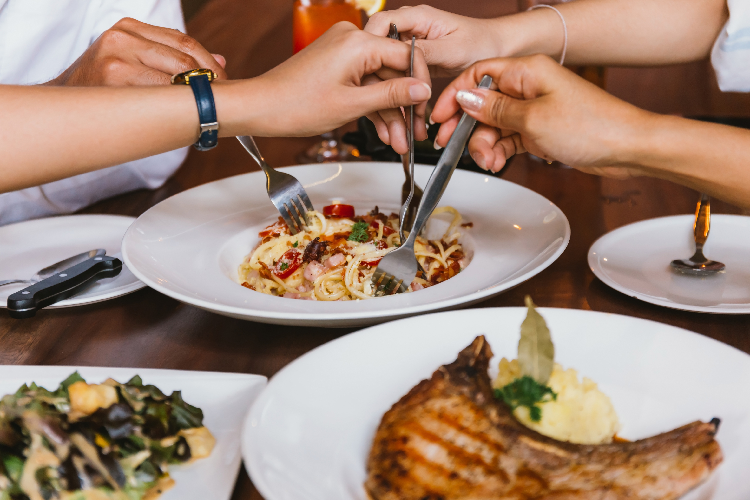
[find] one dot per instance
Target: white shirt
(731, 53)
(39, 39)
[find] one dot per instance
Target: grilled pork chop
(449, 438)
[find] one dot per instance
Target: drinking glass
(312, 18)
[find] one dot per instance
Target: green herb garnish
(284, 266)
(359, 232)
(296, 244)
(526, 391)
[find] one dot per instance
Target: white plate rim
(384, 315)
(604, 278)
(251, 465)
(85, 300)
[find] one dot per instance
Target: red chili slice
(339, 210)
(380, 245)
(288, 263)
(387, 230)
(276, 229)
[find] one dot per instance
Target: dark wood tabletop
(149, 330)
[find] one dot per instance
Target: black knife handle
(25, 303)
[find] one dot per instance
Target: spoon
(59, 266)
(698, 264)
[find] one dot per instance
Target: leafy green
(359, 232)
(526, 391)
(184, 415)
(296, 244)
(284, 266)
(536, 352)
(72, 379)
(13, 466)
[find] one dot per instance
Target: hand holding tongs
(397, 270)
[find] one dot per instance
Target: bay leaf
(536, 352)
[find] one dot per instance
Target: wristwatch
(200, 81)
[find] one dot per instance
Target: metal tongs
(397, 270)
(411, 194)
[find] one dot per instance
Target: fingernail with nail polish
(468, 99)
(432, 122)
(420, 92)
(479, 160)
(438, 147)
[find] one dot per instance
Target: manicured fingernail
(468, 99)
(420, 92)
(438, 147)
(432, 122)
(479, 160)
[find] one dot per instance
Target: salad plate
(191, 245)
(224, 399)
(634, 260)
(308, 435)
(26, 247)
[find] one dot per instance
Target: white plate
(309, 433)
(634, 260)
(26, 247)
(224, 398)
(190, 246)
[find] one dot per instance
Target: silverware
(397, 270)
(60, 286)
(402, 227)
(698, 264)
(411, 194)
(284, 190)
(59, 266)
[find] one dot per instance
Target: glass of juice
(312, 18)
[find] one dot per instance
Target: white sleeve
(163, 13)
(730, 56)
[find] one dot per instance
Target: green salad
(95, 441)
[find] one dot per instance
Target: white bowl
(189, 246)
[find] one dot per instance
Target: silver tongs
(397, 270)
(411, 194)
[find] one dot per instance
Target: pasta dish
(336, 256)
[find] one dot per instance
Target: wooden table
(149, 330)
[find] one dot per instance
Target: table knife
(25, 303)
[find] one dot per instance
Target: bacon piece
(276, 229)
(264, 271)
(315, 250)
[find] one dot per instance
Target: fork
(397, 270)
(284, 190)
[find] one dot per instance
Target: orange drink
(312, 18)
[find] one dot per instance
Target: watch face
(184, 78)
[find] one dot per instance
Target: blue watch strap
(204, 98)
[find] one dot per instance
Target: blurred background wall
(256, 35)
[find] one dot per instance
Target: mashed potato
(581, 413)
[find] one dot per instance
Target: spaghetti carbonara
(336, 256)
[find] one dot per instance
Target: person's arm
(47, 133)
(606, 32)
(549, 111)
(618, 32)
